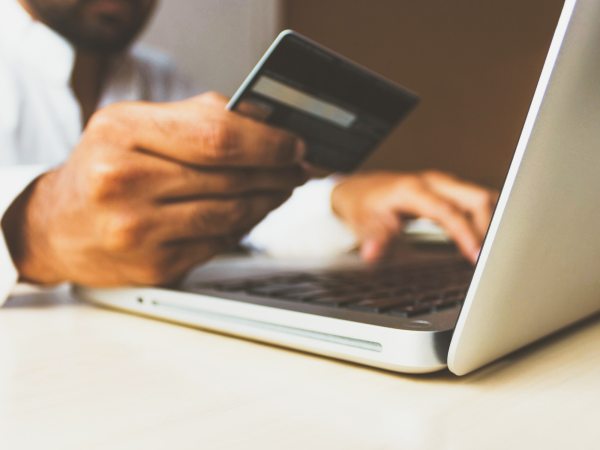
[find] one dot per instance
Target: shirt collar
(33, 43)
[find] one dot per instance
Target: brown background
(475, 64)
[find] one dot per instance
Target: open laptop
(538, 271)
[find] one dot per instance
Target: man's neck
(87, 81)
(88, 77)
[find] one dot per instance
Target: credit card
(342, 110)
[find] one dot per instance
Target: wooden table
(74, 376)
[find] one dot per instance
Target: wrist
(24, 230)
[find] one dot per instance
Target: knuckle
(484, 199)
(108, 180)
(213, 97)
(102, 119)
(112, 125)
(124, 232)
(408, 183)
(101, 181)
(220, 141)
(108, 119)
(433, 174)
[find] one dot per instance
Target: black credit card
(341, 109)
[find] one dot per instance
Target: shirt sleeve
(304, 227)
(13, 181)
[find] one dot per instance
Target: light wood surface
(73, 376)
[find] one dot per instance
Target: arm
(139, 204)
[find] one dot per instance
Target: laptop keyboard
(405, 291)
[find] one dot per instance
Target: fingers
(377, 234)
(475, 200)
(192, 254)
(169, 181)
(169, 264)
(371, 250)
(186, 255)
(201, 132)
(374, 248)
(194, 183)
(200, 219)
(373, 203)
(425, 203)
(254, 110)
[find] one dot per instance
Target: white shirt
(41, 122)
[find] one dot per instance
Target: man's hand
(150, 191)
(373, 204)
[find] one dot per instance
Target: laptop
(538, 271)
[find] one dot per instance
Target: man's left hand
(374, 204)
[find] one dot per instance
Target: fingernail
(300, 150)
(370, 250)
(365, 253)
(475, 255)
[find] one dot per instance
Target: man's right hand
(150, 191)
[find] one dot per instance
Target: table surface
(75, 376)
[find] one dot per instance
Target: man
(102, 183)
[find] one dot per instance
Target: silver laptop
(538, 272)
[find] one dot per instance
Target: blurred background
(475, 64)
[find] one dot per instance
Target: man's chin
(99, 26)
(100, 38)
